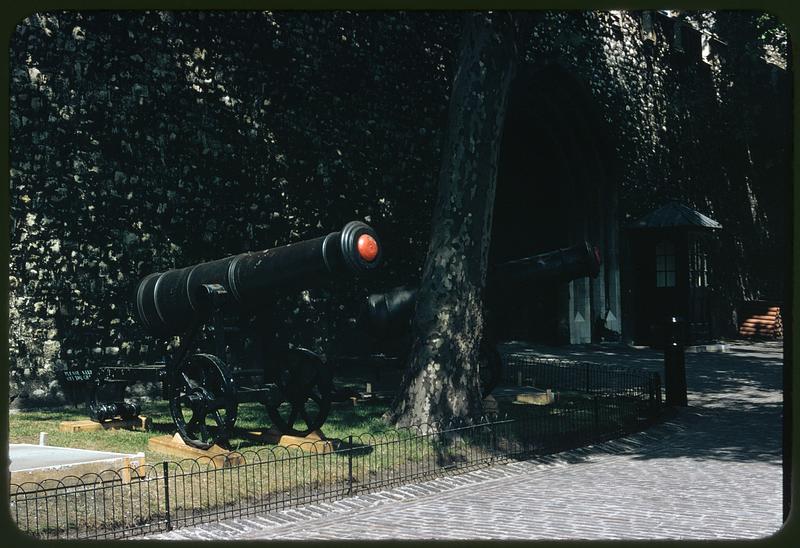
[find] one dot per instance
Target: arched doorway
(555, 189)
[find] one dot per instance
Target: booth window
(665, 264)
(698, 265)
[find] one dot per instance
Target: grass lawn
(24, 427)
(343, 420)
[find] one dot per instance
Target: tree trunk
(441, 380)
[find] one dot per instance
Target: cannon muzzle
(168, 303)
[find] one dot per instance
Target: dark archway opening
(553, 191)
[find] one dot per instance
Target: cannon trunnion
(223, 358)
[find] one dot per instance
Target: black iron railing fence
(153, 498)
(577, 376)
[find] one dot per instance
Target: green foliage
(773, 34)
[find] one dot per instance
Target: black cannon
(222, 359)
(101, 412)
(387, 316)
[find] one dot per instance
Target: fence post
(350, 464)
(658, 389)
(675, 364)
(586, 374)
(596, 413)
(492, 426)
(166, 496)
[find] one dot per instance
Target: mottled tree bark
(441, 380)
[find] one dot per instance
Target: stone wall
(142, 141)
(145, 141)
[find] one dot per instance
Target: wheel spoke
(306, 418)
(217, 403)
(204, 431)
(187, 381)
(204, 377)
(282, 383)
(193, 422)
(292, 416)
(218, 418)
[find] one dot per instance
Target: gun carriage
(387, 316)
(224, 357)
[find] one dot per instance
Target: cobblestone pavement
(712, 471)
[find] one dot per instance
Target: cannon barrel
(385, 314)
(560, 265)
(102, 412)
(169, 302)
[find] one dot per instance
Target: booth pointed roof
(675, 214)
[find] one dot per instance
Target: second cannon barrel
(387, 314)
(168, 303)
(559, 265)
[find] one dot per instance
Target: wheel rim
(303, 401)
(203, 401)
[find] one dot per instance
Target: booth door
(666, 298)
(699, 309)
(657, 289)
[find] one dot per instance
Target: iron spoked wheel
(490, 368)
(305, 386)
(203, 401)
